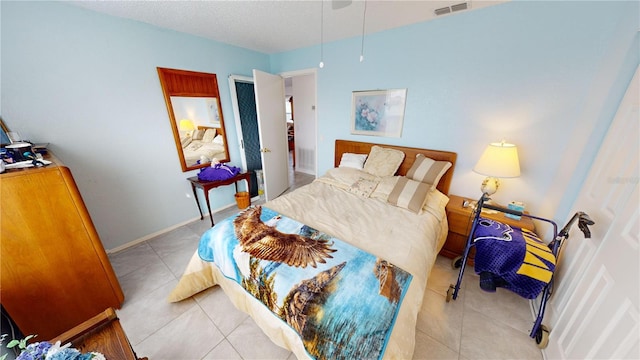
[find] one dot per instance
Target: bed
(369, 207)
(203, 142)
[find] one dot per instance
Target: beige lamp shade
(186, 125)
(499, 160)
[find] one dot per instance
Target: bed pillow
(350, 160)
(218, 140)
(427, 170)
(209, 135)
(383, 161)
(363, 187)
(384, 188)
(409, 194)
(436, 203)
(198, 134)
(185, 140)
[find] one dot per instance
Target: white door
(594, 312)
(272, 128)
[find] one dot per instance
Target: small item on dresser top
(517, 206)
(33, 160)
(40, 148)
(218, 172)
(18, 151)
(21, 155)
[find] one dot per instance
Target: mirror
(4, 134)
(195, 114)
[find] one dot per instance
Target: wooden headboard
(203, 127)
(346, 146)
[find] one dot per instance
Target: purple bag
(218, 172)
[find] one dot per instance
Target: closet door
(596, 302)
(244, 103)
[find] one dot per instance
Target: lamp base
(489, 186)
(487, 200)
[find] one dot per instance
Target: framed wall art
(378, 112)
(214, 114)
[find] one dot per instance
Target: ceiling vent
(452, 8)
(442, 11)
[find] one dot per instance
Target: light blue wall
(87, 84)
(547, 76)
(536, 73)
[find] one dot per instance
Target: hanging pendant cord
(322, 34)
(364, 16)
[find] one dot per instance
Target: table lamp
(499, 160)
(186, 125)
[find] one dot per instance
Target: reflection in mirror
(193, 104)
(201, 138)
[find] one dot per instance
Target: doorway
(301, 85)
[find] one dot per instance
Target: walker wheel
(542, 337)
(450, 292)
(456, 263)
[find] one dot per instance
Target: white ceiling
(270, 26)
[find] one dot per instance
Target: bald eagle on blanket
(267, 243)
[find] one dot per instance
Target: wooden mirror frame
(185, 83)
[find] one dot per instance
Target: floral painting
(214, 114)
(378, 112)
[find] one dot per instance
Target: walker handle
(503, 209)
(583, 224)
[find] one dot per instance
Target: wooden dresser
(55, 271)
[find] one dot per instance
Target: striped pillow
(409, 194)
(427, 170)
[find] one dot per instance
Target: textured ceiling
(275, 26)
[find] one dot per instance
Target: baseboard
(163, 231)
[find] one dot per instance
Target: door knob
(265, 150)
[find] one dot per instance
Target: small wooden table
(208, 185)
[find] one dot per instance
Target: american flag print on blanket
(342, 301)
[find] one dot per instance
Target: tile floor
(478, 325)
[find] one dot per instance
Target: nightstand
(460, 221)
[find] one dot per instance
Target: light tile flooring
(478, 325)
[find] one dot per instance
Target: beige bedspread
(330, 204)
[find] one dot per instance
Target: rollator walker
(539, 332)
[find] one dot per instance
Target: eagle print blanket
(514, 258)
(341, 300)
